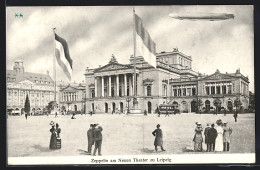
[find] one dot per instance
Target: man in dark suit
(206, 137)
(212, 135)
(90, 134)
(98, 139)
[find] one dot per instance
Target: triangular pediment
(69, 88)
(112, 67)
(218, 76)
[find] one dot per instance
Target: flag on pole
(63, 56)
(144, 43)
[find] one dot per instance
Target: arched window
(149, 93)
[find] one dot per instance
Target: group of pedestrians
(94, 137)
(216, 139)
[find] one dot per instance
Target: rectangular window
(229, 89)
(184, 92)
(179, 92)
(218, 89)
(189, 92)
(224, 90)
(193, 91)
(174, 92)
(207, 90)
(149, 91)
(212, 89)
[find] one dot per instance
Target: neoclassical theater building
(173, 81)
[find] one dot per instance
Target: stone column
(130, 86)
(215, 88)
(109, 86)
(209, 90)
(117, 85)
(95, 86)
(102, 86)
(220, 89)
(125, 83)
(226, 88)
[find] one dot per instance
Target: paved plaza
(122, 134)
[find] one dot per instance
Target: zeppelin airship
(202, 16)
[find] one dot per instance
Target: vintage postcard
(130, 84)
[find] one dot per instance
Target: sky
(95, 33)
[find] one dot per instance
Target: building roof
(37, 78)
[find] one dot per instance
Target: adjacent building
(110, 87)
(72, 97)
(39, 87)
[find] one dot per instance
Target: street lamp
(128, 99)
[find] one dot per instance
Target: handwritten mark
(18, 15)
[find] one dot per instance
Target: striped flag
(63, 56)
(144, 43)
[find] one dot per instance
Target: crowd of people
(216, 139)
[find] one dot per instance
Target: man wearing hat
(206, 137)
(98, 139)
(90, 134)
(212, 135)
(226, 136)
(158, 138)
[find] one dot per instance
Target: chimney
(48, 72)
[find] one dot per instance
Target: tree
(217, 103)
(237, 103)
(51, 106)
(27, 105)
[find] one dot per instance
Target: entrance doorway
(75, 107)
(175, 104)
(113, 107)
(106, 108)
(207, 105)
(121, 107)
(184, 107)
(193, 106)
(149, 104)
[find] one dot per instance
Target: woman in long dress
(53, 137)
(219, 139)
(198, 139)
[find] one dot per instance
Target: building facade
(39, 87)
(109, 88)
(72, 98)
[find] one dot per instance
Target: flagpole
(135, 102)
(54, 64)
